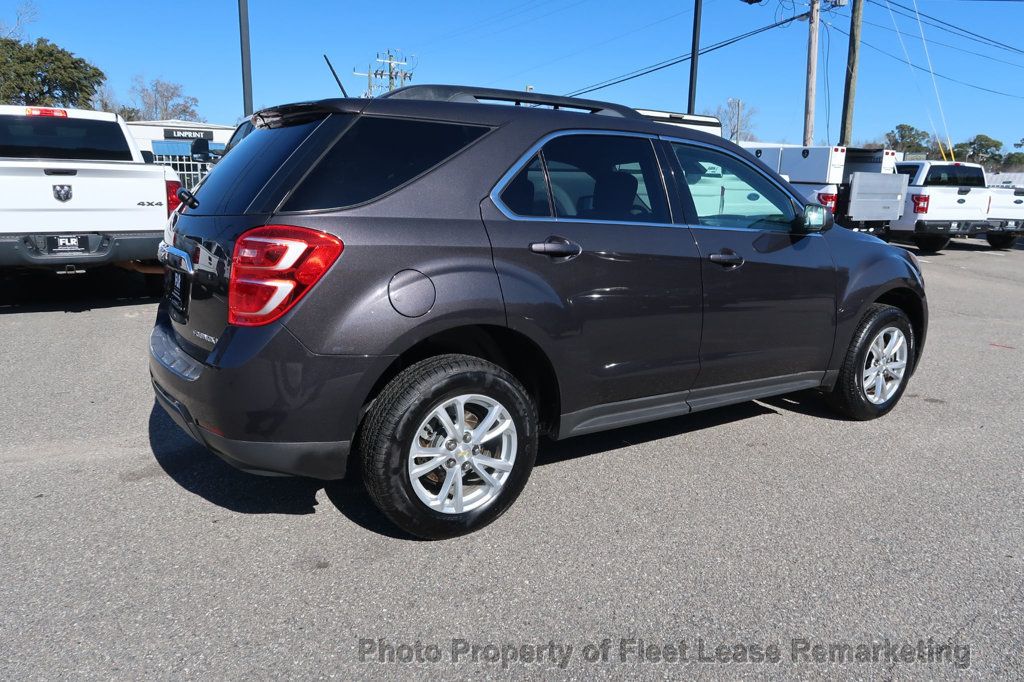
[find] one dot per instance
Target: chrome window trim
(499, 187)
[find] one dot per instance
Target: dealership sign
(187, 134)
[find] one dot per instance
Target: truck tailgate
(1007, 204)
(876, 196)
(954, 203)
(81, 196)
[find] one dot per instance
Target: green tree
(979, 149)
(907, 138)
(46, 75)
(1014, 161)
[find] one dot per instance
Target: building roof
(178, 123)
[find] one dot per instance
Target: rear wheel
(448, 445)
(1001, 241)
(877, 365)
(931, 243)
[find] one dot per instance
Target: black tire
(849, 397)
(1001, 241)
(931, 243)
(391, 425)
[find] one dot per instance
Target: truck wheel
(877, 365)
(931, 243)
(448, 445)
(1001, 241)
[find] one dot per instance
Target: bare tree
(737, 119)
(23, 16)
(160, 100)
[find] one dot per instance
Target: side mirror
(147, 157)
(200, 150)
(815, 218)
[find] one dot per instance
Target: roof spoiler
(303, 112)
(474, 95)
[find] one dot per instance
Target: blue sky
(558, 46)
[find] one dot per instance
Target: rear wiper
(187, 198)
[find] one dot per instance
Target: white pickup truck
(951, 199)
(75, 192)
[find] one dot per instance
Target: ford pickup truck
(76, 193)
(951, 199)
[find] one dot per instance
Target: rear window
(238, 177)
(909, 171)
(52, 137)
(376, 156)
(955, 176)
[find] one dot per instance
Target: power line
(936, 42)
(672, 61)
(951, 28)
(937, 74)
(935, 85)
(598, 44)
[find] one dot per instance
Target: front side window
(605, 177)
(727, 192)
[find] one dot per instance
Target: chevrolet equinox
(417, 287)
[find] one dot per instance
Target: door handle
(557, 247)
(728, 259)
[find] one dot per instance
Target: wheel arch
(505, 347)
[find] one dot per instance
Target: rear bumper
(30, 250)
(1006, 226)
(265, 404)
(950, 228)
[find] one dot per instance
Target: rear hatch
(239, 194)
(71, 174)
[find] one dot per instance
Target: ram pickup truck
(944, 199)
(75, 192)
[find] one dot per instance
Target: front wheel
(877, 365)
(931, 243)
(1001, 241)
(448, 445)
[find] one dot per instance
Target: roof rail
(474, 95)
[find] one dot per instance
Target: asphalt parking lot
(129, 552)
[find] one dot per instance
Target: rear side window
(53, 137)
(237, 179)
(527, 193)
(909, 171)
(605, 177)
(376, 156)
(955, 176)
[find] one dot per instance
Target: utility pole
(691, 100)
(852, 59)
(243, 36)
(812, 71)
(385, 80)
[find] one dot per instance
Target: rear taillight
(273, 267)
(45, 111)
(828, 200)
(920, 202)
(173, 201)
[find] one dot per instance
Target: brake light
(920, 202)
(273, 267)
(828, 200)
(173, 201)
(45, 111)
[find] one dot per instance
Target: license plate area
(178, 294)
(64, 244)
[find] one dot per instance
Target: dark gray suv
(417, 287)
